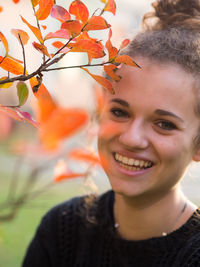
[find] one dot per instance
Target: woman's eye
(117, 112)
(167, 125)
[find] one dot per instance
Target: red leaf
(109, 69)
(94, 50)
(96, 23)
(83, 155)
(46, 104)
(99, 99)
(80, 11)
(18, 115)
(44, 9)
(44, 27)
(124, 59)
(4, 41)
(66, 176)
(23, 35)
(41, 48)
(58, 34)
(11, 65)
(35, 30)
(60, 13)
(11, 112)
(16, 1)
(110, 6)
(59, 45)
(74, 27)
(27, 117)
(67, 122)
(112, 51)
(124, 44)
(102, 81)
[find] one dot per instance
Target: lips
(132, 163)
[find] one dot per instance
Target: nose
(134, 136)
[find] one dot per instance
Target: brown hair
(171, 33)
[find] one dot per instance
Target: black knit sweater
(67, 238)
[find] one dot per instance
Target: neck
(141, 219)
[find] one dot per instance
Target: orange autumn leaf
(16, 1)
(35, 2)
(94, 50)
(35, 30)
(99, 99)
(67, 122)
(66, 176)
(45, 102)
(96, 23)
(125, 59)
(74, 27)
(44, 27)
(60, 13)
(4, 41)
(102, 81)
(58, 34)
(83, 155)
(11, 65)
(110, 71)
(124, 44)
(44, 9)
(110, 6)
(15, 59)
(59, 44)
(112, 51)
(1, 8)
(42, 49)
(23, 35)
(79, 10)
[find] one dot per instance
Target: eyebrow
(167, 113)
(158, 111)
(120, 101)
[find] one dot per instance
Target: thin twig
(23, 51)
(77, 66)
(43, 67)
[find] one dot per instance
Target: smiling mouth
(131, 163)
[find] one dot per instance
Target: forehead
(162, 85)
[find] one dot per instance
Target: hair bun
(173, 13)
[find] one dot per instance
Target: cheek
(108, 129)
(174, 150)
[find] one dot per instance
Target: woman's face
(147, 129)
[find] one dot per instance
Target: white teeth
(146, 164)
(130, 161)
(136, 163)
(125, 160)
(132, 164)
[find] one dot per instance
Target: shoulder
(189, 255)
(79, 208)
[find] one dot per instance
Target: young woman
(149, 132)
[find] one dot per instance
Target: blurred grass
(16, 234)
